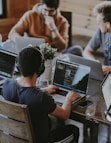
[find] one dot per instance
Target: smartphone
(85, 103)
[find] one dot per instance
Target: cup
(44, 83)
(90, 111)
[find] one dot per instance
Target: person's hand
(49, 21)
(50, 88)
(71, 96)
(106, 69)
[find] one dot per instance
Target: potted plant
(47, 51)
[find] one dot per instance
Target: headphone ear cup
(41, 68)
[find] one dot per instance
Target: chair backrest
(68, 16)
(15, 124)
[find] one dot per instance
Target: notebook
(7, 64)
(70, 76)
(96, 67)
(106, 90)
(22, 42)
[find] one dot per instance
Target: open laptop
(106, 90)
(7, 64)
(96, 67)
(70, 76)
(22, 42)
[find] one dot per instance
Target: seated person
(24, 90)
(75, 50)
(44, 21)
(102, 37)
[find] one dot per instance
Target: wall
(83, 21)
(15, 9)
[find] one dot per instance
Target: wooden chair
(68, 16)
(15, 125)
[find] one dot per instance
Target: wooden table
(92, 122)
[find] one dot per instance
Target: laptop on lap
(70, 76)
(7, 64)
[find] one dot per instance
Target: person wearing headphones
(24, 90)
(102, 37)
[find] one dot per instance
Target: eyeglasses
(50, 10)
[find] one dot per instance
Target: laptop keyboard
(61, 92)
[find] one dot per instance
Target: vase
(47, 74)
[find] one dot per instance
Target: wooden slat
(14, 113)
(14, 127)
(83, 19)
(15, 122)
(82, 31)
(81, 7)
(84, 22)
(9, 139)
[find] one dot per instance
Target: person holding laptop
(102, 37)
(44, 21)
(24, 90)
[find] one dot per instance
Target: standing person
(102, 37)
(25, 91)
(44, 21)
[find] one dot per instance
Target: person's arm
(20, 27)
(106, 69)
(93, 45)
(50, 88)
(64, 111)
(88, 53)
(59, 41)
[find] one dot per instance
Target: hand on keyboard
(50, 89)
(71, 96)
(61, 92)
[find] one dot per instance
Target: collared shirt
(102, 40)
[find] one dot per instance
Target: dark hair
(104, 8)
(51, 3)
(29, 61)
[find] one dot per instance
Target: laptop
(96, 67)
(22, 42)
(106, 90)
(7, 65)
(70, 76)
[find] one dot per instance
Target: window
(2, 8)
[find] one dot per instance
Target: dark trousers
(60, 131)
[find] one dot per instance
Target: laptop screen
(96, 67)
(7, 63)
(71, 76)
(106, 89)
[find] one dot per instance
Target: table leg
(94, 132)
(90, 132)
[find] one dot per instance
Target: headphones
(41, 69)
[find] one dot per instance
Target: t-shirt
(40, 104)
(102, 40)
